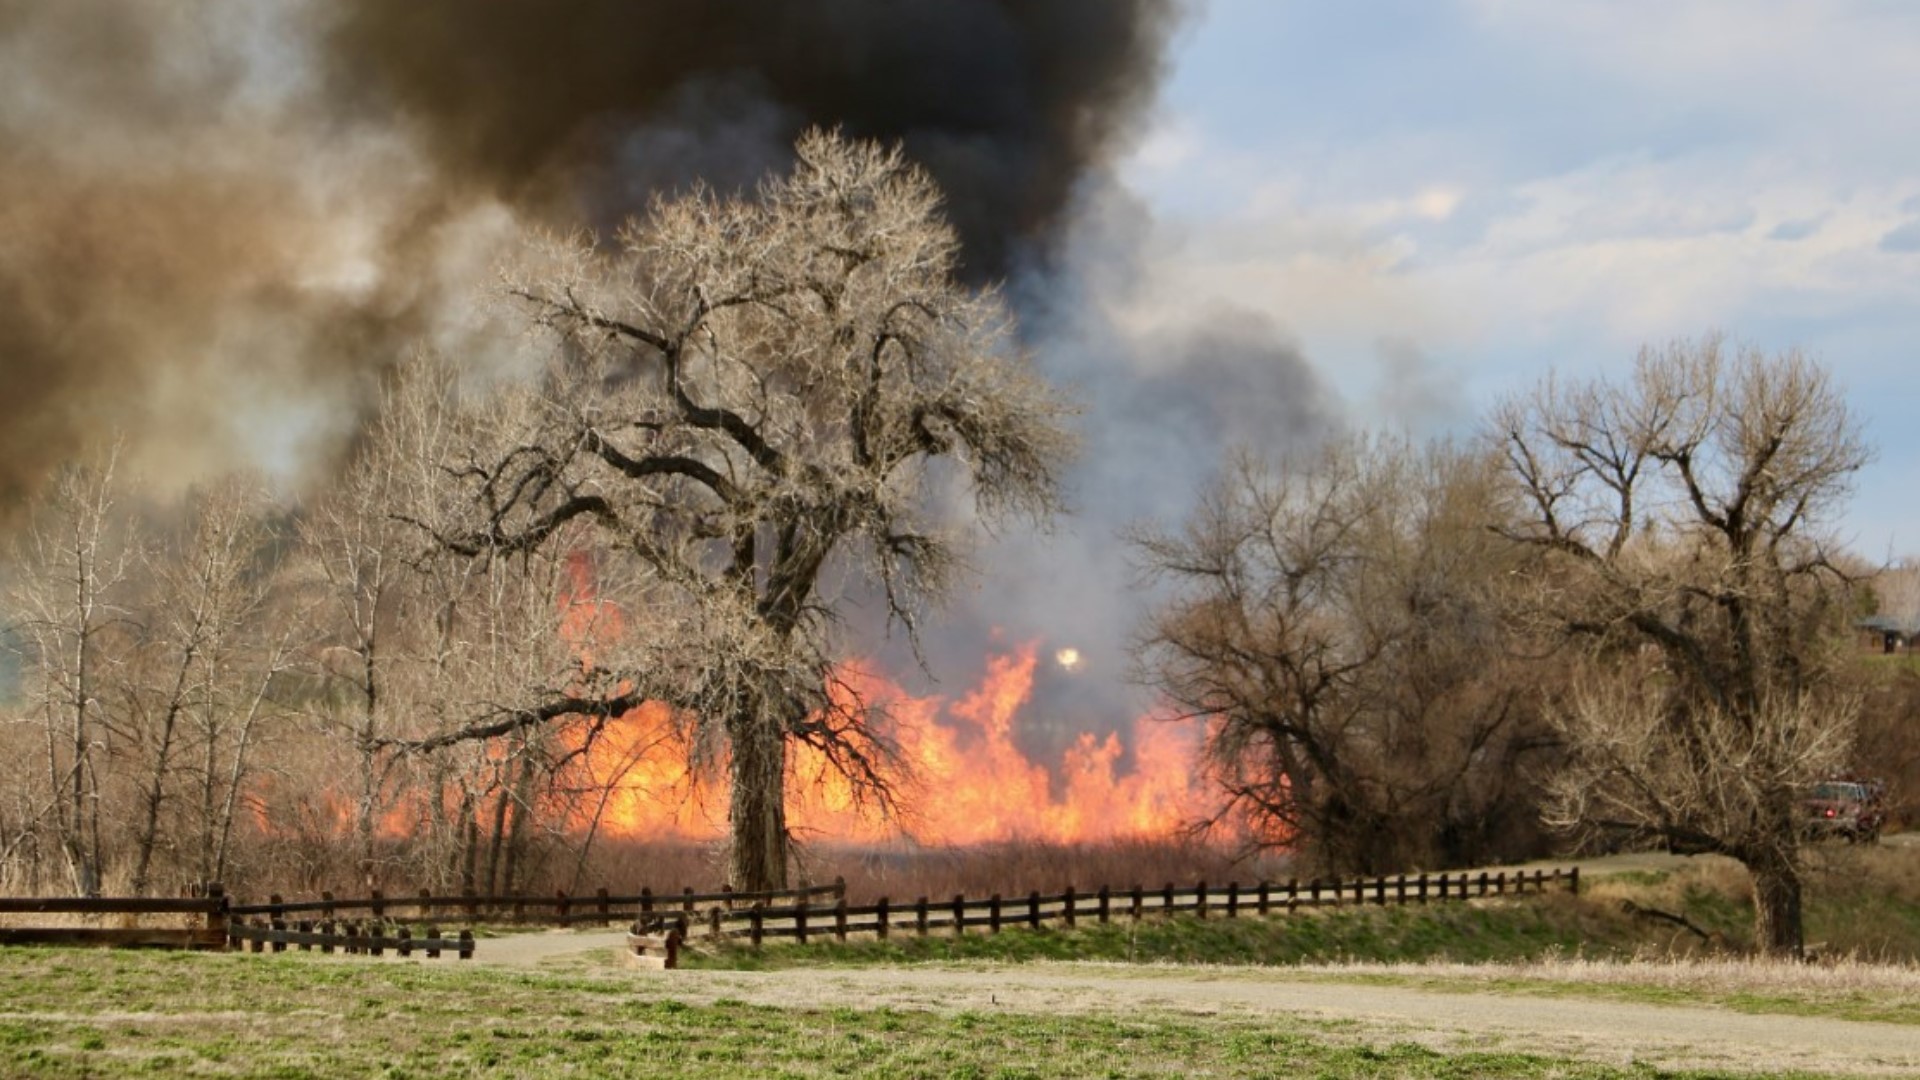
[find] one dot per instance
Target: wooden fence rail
(210, 933)
(561, 908)
(257, 934)
(924, 916)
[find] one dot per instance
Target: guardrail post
(993, 914)
(466, 944)
(882, 914)
(1067, 909)
(1106, 905)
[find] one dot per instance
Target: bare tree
(1335, 621)
(72, 562)
(754, 400)
(1675, 520)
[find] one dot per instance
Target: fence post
(726, 894)
(920, 917)
(1483, 883)
(1265, 903)
(1136, 903)
(882, 914)
(562, 906)
(375, 939)
(1106, 904)
(840, 920)
(216, 910)
(1380, 892)
(1539, 881)
(993, 915)
(686, 902)
(1359, 891)
(352, 946)
(1067, 909)
(1573, 881)
(279, 926)
(1166, 899)
(1033, 910)
(433, 943)
(326, 905)
(1313, 892)
(406, 942)
(327, 928)
(1200, 899)
(305, 927)
(1422, 892)
(1293, 895)
(713, 922)
(840, 887)
(646, 908)
(1500, 883)
(800, 921)
(756, 923)
(466, 944)
(601, 907)
(1400, 890)
(959, 915)
(1233, 899)
(378, 904)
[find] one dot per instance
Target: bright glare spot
(1067, 658)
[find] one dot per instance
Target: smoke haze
(224, 219)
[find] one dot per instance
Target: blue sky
(1441, 200)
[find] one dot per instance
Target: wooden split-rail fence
(660, 922)
(924, 916)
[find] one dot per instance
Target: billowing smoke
(1007, 102)
(221, 219)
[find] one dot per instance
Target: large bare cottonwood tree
(1335, 619)
(1676, 519)
(753, 407)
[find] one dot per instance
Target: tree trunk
(757, 816)
(1777, 925)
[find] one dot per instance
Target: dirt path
(1613, 1032)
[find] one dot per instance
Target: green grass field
(93, 1013)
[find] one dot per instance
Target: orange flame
(966, 779)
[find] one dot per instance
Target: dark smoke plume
(1007, 102)
(220, 220)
